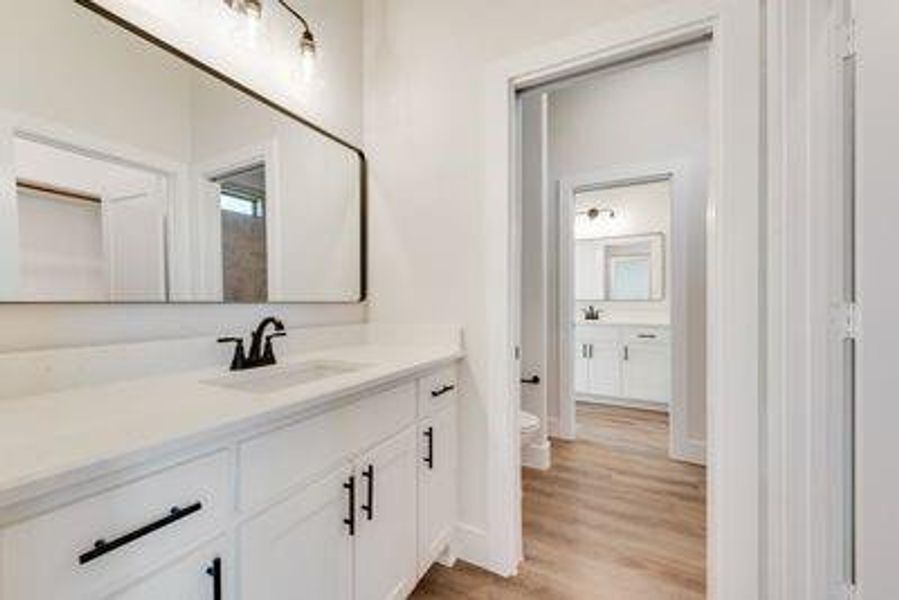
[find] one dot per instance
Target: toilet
(530, 427)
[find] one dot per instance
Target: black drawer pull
(369, 507)
(535, 380)
(215, 571)
(102, 547)
(429, 459)
(646, 336)
(445, 389)
(350, 520)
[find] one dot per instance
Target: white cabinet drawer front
(193, 577)
(141, 523)
(597, 333)
(437, 390)
(274, 462)
(646, 335)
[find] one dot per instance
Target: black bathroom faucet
(261, 354)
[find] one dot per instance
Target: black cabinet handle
(429, 459)
(535, 380)
(646, 336)
(350, 520)
(445, 389)
(369, 507)
(627, 353)
(102, 547)
(215, 571)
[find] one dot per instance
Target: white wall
(878, 291)
(333, 97)
(656, 112)
(425, 90)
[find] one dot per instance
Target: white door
(436, 485)
(604, 367)
(203, 575)
(301, 547)
(386, 540)
(646, 372)
(134, 245)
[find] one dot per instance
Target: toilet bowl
(530, 427)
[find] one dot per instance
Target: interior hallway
(613, 519)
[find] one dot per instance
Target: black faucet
(260, 355)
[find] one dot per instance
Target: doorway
(614, 188)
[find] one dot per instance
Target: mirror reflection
(620, 243)
(130, 175)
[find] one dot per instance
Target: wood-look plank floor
(613, 519)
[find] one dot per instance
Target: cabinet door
(646, 372)
(437, 490)
(301, 547)
(581, 366)
(604, 367)
(203, 575)
(386, 540)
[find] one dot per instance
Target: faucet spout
(255, 355)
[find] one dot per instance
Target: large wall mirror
(131, 174)
(622, 269)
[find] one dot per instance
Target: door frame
(734, 349)
(678, 174)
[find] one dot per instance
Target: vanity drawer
(276, 461)
(437, 390)
(645, 335)
(56, 555)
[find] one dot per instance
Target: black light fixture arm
(298, 16)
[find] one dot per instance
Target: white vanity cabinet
(437, 466)
(623, 362)
(351, 502)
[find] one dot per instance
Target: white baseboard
(536, 455)
(623, 402)
(472, 546)
(691, 451)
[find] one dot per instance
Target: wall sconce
(253, 8)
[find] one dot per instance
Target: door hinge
(850, 321)
(847, 40)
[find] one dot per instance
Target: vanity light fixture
(253, 8)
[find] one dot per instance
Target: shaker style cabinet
(623, 362)
(354, 501)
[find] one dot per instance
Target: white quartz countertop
(53, 440)
(636, 320)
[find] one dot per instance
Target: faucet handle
(238, 362)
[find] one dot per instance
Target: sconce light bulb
(252, 8)
(307, 44)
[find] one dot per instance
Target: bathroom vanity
(333, 473)
(623, 362)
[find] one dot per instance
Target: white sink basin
(266, 380)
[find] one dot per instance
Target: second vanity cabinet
(354, 502)
(624, 362)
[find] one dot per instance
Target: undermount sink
(266, 380)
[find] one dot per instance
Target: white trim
(734, 407)
(635, 403)
(804, 420)
(536, 455)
